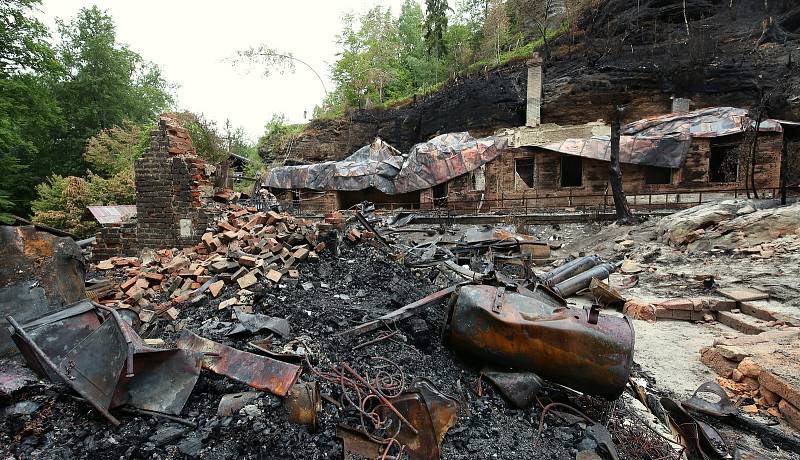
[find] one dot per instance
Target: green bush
(62, 201)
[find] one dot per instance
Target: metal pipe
(582, 280)
(570, 269)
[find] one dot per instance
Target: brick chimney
(533, 116)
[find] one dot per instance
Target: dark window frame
(730, 155)
(653, 175)
(531, 175)
(578, 160)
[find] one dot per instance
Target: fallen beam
(399, 314)
(365, 223)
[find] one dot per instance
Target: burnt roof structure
(381, 166)
(664, 140)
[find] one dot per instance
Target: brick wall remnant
(115, 240)
(173, 189)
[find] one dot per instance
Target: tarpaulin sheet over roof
(664, 140)
(379, 165)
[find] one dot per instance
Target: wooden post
(624, 215)
(784, 165)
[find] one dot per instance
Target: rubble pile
(248, 247)
(354, 390)
(759, 371)
(362, 335)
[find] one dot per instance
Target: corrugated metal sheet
(112, 214)
(664, 140)
(380, 166)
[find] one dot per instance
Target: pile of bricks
(246, 247)
(759, 372)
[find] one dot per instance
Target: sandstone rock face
(678, 229)
(479, 103)
(730, 224)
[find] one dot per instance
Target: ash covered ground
(357, 285)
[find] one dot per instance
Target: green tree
(368, 70)
(23, 38)
(495, 31)
(272, 144)
(115, 149)
(105, 84)
(28, 110)
(416, 68)
(436, 27)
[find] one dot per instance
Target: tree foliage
(436, 26)
(115, 149)
(277, 132)
(107, 83)
(383, 59)
(58, 92)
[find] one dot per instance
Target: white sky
(189, 39)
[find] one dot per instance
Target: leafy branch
(272, 60)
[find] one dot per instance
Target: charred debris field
(276, 337)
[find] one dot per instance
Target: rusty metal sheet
(260, 372)
(89, 352)
(559, 344)
(56, 334)
(96, 362)
(424, 407)
(162, 380)
(420, 446)
(380, 166)
(443, 409)
(605, 294)
(34, 354)
(112, 214)
(354, 442)
(40, 273)
(303, 404)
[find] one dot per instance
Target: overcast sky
(190, 39)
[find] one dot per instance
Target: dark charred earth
(45, 422)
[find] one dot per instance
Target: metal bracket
(593, 314)
(497, 306)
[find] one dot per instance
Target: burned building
(704, 151)
(173, 197)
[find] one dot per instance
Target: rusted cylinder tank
(560, 344)
(570, 269)
(582, 280)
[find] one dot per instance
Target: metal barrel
(506, 329)
(570, 269)
(582, 280)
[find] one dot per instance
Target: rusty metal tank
(576, 348)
